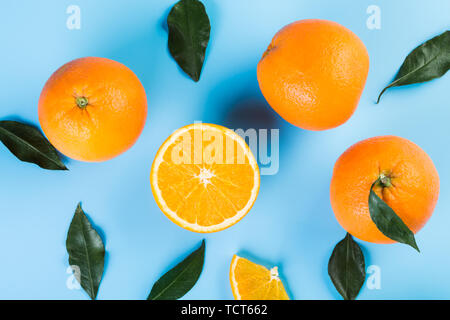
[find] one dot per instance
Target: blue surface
(291, 224)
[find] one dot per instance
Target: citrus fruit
(251, 281)
(313, 73)
(409, 185)
(204, 178)
(93, 109)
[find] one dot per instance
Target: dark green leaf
(28, 144)
(86, 253)
(179, 280)
(429, 61)
(388, 222)
(189, 30)
(347, 268)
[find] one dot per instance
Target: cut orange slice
(204, 178)
(251, 281)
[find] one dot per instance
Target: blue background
(291, 225)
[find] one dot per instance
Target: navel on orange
(251, 281)
(93, 109)
(204, 178)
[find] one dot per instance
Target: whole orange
(93, 109)
(313, 73)
(410, 185)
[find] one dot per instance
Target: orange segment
(251, 281)
(204, 178)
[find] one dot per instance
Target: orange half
(205, 178)
(251, 281)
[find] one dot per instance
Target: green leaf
(179, 280)
(347, 268)
(28, 144)
(189, 31)
(429, 61)
(388, 222)
(86, 253)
